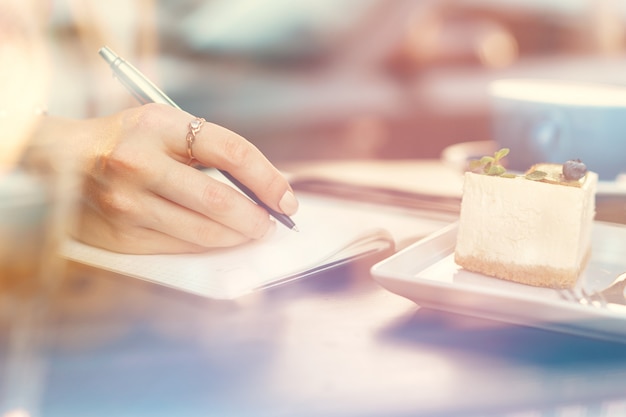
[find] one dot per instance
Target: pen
(146, 92)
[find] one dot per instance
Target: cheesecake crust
(536, 275)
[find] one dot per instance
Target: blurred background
(331, 79)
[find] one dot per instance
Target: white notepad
(332, 232)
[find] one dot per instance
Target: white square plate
(426, 273)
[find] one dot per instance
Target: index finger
(221, 148)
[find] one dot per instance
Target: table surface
(333, 344)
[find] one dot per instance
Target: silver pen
(146, 92)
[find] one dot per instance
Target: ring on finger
(194, 127)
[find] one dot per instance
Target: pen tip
(295, 228)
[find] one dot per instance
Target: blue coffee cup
(553, 121)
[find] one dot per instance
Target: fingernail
(288, 203)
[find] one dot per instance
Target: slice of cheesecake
(533, 229)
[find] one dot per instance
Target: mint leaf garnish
(490, 165)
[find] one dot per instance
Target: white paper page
(324, 228)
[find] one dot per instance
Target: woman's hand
(139, 195)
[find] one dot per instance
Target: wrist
(36, 110)
(16, 129)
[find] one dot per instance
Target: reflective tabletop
(334, 344)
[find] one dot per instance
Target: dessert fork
(614, 294)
